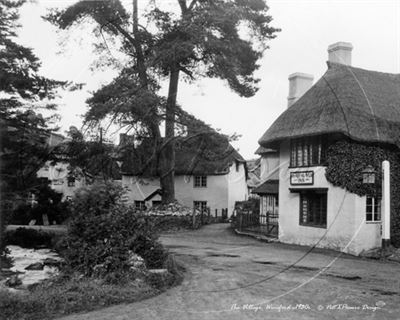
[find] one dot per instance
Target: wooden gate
(249, 218)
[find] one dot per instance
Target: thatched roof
(199, 155)
(361, 104)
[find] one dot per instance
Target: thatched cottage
(209, 174)
(346, 104)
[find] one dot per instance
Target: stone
(135, 261)
(52, 262)
(35, 266)
(160, 272)
(395, 256)
(45, 219)
(13, 281)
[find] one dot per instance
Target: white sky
(308, 27)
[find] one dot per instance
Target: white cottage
(207, 176)
(348, 104)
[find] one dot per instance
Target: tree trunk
(167, 155)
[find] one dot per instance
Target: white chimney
(340, 52)
(299, 83)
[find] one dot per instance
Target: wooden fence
(249, 218)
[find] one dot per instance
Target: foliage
(97, 199)
(345, 162)
(92, 158)
(208, 38)
(23, 131)
(66, 295)
(103, 231)
(29, 238)
(47, 201)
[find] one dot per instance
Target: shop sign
(302, 178)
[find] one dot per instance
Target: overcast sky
(308, 27)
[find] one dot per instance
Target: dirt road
(233, 277)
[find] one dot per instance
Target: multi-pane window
(307, 152)
(71, 182)
(200, 181)
(140, 205)
(200, 205)
(373, 209)
(313, 208)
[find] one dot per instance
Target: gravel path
(233, 277)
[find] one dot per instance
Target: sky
(308, 28)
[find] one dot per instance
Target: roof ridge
(335, 65)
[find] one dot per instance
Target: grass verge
(70, 294)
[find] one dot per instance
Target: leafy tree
(23, 132)
(198, 38)
(92, 158)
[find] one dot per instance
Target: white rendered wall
(269, 166)
(346, 228)
(237, 186)
(216, 193)
(59, 178)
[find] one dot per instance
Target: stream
(23, 257)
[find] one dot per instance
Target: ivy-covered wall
(345, 162)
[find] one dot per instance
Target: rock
(395, 256)
(136, 262)
(52, 262)
(13, 281)
(159, 277)
(378, 253)
(7, 273)
(35, 266)
(160, 272)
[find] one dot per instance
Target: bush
(48, 202)
(29, 238)
(103, 231)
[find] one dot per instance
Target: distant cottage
(209, 174)
(346, 104)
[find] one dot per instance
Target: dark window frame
(140, 205)
(200, 182)
(313, 209)
(307, 152)
(200, 205)
(71, 181)
(375, 212)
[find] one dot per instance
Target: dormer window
(307, 152)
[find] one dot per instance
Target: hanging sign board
(302, 178)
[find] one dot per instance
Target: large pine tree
(197, 38)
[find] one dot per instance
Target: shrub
(29, 238)
(48, 202)
(102, 231)
(151, 251)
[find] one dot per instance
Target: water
(22, 257)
